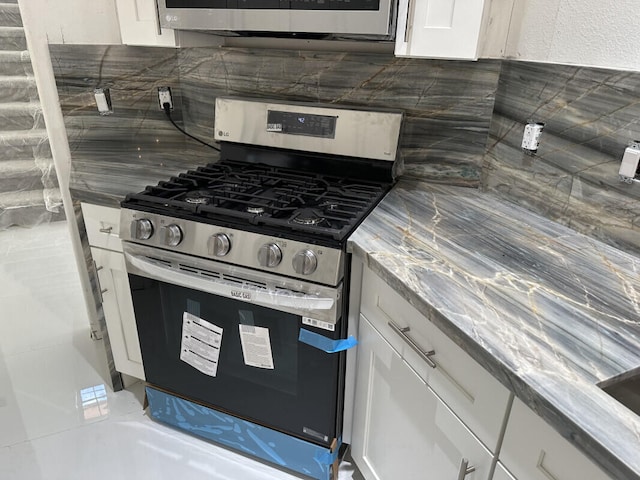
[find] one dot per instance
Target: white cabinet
(401, 428)
(102, 225)
(456, 29)
(118, 311)
(501, 473)
(140, 25)
(475, 396)
(532, 450)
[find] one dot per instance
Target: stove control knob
(141, 229)
(171, 235)
(305, 262)
(269, 255)
(219, 244)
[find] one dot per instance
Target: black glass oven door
(239, 357)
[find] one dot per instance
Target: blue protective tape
(240, 435)
(326, 344)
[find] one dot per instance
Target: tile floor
(59, 419)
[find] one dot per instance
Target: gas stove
(293, 182)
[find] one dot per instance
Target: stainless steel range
(239, 270)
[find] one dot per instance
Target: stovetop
(281, 201)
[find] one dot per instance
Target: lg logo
(223, 134)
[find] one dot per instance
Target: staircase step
(15, 63)
(10, 15)
(12, 39)
(17, 89)
(31, 207)
(24, 145)
(21, 116)
(21, 175)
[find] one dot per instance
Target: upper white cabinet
(140, 25)
(452, 29)
(532, 450)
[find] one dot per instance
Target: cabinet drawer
(532, 450)
(103, 226)
(469, 390)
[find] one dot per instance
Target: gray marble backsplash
(135, 145)
(447, 104)
(590, 117)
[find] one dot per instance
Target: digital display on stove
(296, 123)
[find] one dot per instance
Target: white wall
(73, 21)
(601, 33)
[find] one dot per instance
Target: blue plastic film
(242, 436)
(326, 344)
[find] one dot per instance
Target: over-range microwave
(374, 19)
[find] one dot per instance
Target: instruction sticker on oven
(200, 346)
(256, 346)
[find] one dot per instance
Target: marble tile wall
(136, 145)
(590, 117)
(447, 104)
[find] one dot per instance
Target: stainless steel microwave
(347, 18)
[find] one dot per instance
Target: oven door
(229, 337)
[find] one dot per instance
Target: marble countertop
(548, 311)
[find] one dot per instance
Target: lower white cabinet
(401, 427)
(118, 311)
(532, 450)
(501, 473)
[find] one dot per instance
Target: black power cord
(167, 110)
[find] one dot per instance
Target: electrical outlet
(164, 96)
(531, 137)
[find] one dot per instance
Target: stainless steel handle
(98, 268)
(465, 469)
(409, 25)
(273, 299)
(103, 291)
(426, 356)
(106, 230)
(158, 26)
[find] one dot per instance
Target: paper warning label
(200, 346)
(256, 346)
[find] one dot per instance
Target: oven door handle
(244, 292)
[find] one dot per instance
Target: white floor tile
(59, 419)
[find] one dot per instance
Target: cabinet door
(118, 311)
(401, 428)
(439, 28)
(532, 450)
(139, 24)
(475, 396)
(501, 473)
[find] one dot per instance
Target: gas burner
(308, 216)
(255, 209)
(199, 197)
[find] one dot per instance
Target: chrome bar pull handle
(426, 356)
(465, 469)
(106, 230)
(103, 291)
(99, 268)
(409, 25)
